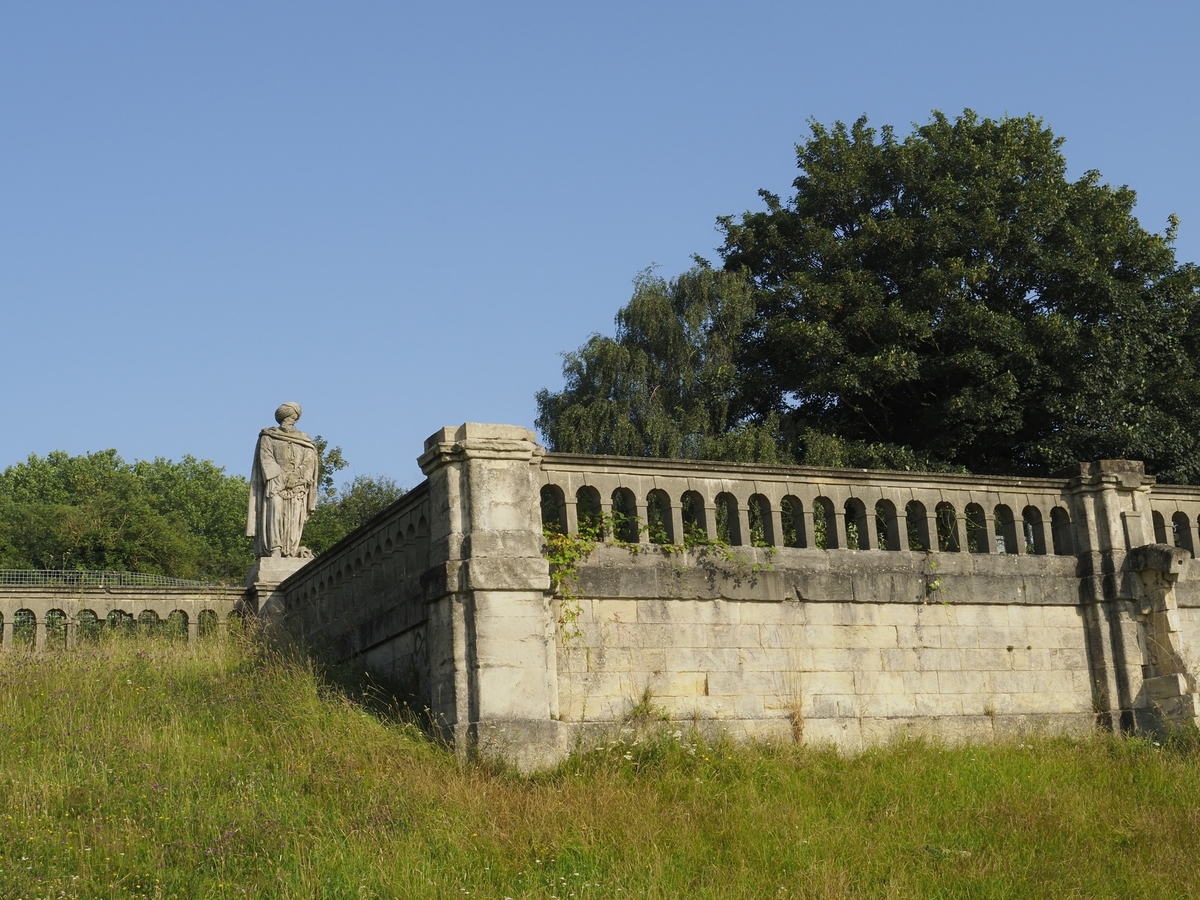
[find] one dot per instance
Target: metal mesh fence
(91, 578)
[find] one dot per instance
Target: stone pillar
(710, 519)
(773, 526)
(1167, 696)
(483, 500)
(676, 521)
(1108, 498)
(807, 518)
(643, 520)
(742, 537)
(39, 639)
(7, 643)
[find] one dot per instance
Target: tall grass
(140, 768)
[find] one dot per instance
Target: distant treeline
(184, 519)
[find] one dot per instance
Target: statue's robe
(283, 492)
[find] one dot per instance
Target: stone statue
(283, 487)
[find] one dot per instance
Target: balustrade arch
(858, 527)
(1035, 532)
(916, 523)
(825, 530)
(976, 524)
(625, 517)
(1060, 530)
(762, 528)
(206, 623)
(87, 625)
(659, 526)
(1181, 532)
(588, 510)
(791, 516)
(1006, 530)
(55, 629)
(947, 528)
(729, 524)
(148, 622)
(695, 516)
(887, 525)
(177, 625)
(120, 621)
(1160, 528)
(24, 630)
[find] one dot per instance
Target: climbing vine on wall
(565, 552)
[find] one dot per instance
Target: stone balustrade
(59, 614)
(1176, 515)
(849, 605)
(375, 568)
(792, 506)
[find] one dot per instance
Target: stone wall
(369, 595)
(195, 609)
(447, 594)
(832, 605)
(811, 650)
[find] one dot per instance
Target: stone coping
(716, 470)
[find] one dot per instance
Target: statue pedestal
(274, 569)
(262, 583)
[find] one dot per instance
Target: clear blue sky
(400, 214)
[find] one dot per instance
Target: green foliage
(667, 384)
(658, 514)
(947, 300)
(565, 552)
(329, 462)
(821, 525)
(340, 512)
(135, 767)
(951, 299)
(185, 519)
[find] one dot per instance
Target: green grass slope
(140, 768)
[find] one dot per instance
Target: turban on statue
(286, 410)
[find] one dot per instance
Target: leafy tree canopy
(667, 384)
(185, 519)
(949, 299)
(340, 512)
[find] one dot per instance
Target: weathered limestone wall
(447, 592)
(1189, 627)
(998, 647)
(371, 596)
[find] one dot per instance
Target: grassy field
(140, 768)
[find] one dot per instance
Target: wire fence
(91, 578)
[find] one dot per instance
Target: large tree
(954, 293)
(667, 383)
(951, 298)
